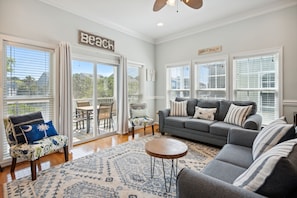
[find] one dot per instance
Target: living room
(263, 30)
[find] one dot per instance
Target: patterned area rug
(120, 171)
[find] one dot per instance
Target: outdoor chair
(139, 117)
(30, 138)
(105, 114)
(80, 116)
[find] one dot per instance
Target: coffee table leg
(172, 170)
(152, 166)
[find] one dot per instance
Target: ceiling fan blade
(159, 4)
(196, 4)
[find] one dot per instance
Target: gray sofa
(213, 132)
(216, 179)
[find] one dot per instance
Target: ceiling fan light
(171, 2)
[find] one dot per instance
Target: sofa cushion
(17, 121)
(192, 102)
(223, 170)
(237, 114)
(225, 104)
(199, 124)
(236, 155)
(209, 104)
(205, 113)
(273, 174)
(272, 134)
(221, 128)
(178, 122)
(178, 108)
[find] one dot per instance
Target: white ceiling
(136, 17)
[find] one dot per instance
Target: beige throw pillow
(205, 113)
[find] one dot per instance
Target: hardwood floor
(23, 169)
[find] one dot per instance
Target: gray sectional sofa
(216, 179)
(208, 131)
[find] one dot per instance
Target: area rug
(120, 171)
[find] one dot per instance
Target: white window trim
(207, 60)
(37, 44)
(247, 54)
(142, 75)
(177, 64)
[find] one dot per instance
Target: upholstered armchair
(139, 117)
(30, 138)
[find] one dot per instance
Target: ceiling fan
(159, 4)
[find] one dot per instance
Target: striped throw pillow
(237, 114)
(271, 135)
(274, 173)
(178, 108)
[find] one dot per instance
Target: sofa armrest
(162, 115)
(193, 184)
(253, 122)
(242, 137)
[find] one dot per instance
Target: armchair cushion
(17, 121)
(40, 148)
(142, 121)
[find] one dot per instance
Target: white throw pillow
(138, 113)
(237, 114)
(178, 108)
(270, 135)
(205, 113)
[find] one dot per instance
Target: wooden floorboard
(23, 168)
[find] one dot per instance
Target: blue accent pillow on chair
(50, 131)
(32, 133)
(37, 132)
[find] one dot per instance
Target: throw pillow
(32, 133)
(37, 132)
(49, 129)
(273, 174)
(138, 113)
(178, 108)
(237, 114)
(17, 121)
(205, 113)
(277, 131)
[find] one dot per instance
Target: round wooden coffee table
(166, 148)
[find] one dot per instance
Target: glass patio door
(94, 84)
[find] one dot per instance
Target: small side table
(166, 148)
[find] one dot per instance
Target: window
(28, 85)
(134, 83)
(178, 82)
(256, 78)
(210, 80)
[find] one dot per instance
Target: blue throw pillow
(38, 131)
(32, 133)
(50, 129)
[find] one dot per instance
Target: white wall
(271, 30)
(34, 20)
